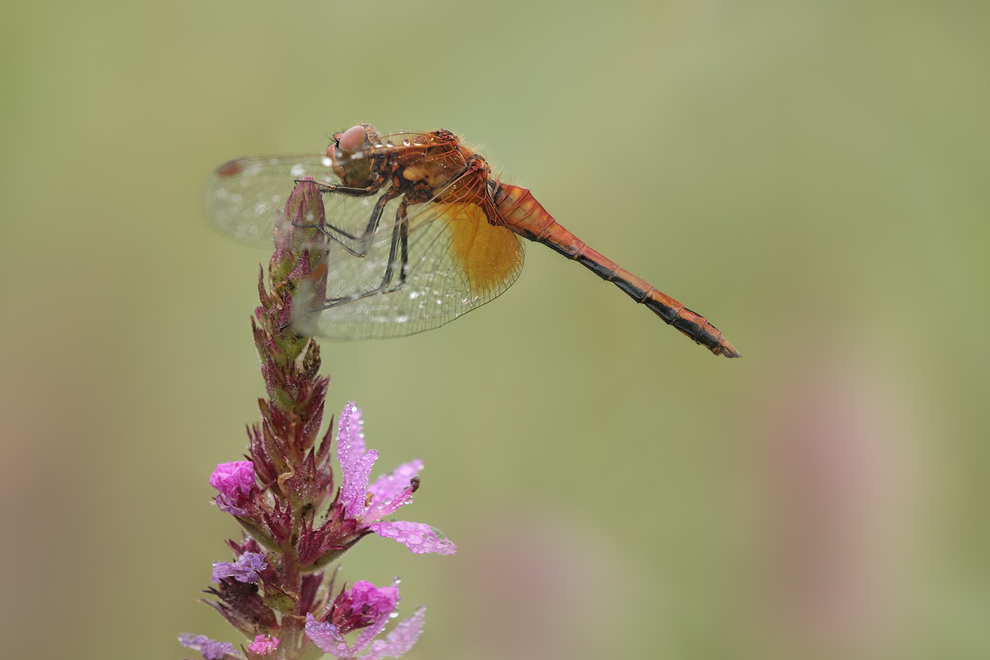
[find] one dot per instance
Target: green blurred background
(811, 175)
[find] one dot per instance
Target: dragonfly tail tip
(728, 350)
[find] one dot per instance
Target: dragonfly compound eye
(352, 155)
(353, 139)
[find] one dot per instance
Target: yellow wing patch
(489, 255)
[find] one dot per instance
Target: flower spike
(294, 520)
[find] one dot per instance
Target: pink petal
(326, 636)
(233, 477)
(392, 491)
(392, 484)
(350, 437)
(420, 538)
(370, 633)
(354, 490)
(263, 645)
(366, 597)
(399, 640)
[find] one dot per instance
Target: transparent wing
(245, 198)
(456, 258)
(457, 261)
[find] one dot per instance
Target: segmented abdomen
(527, 217)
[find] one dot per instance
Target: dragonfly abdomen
(527, 217)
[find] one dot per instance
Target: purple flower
(362, 606)
(231, 478)
(368, 607)
(210, 649)
(245, 569)
(369, 504)
(373, 601)
(263, 645)
(235, 481)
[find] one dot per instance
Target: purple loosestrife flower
(358, 508)
(369, 608)
(369, 504)
(263, 645)
(247, 568)
(295, 521)
(236, 483)
(231, 478)
(209, 649)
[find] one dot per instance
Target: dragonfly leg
(333, 188)
(401, 232)
(343, 190)
(404, 241)
(363, 241)
(398, 252)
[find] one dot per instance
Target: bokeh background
(811, 175)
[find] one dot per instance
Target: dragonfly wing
(245, 198)
(457, 261)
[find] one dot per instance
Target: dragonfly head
(352, 155)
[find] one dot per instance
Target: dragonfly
(417, 231)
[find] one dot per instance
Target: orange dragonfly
(418, 232)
